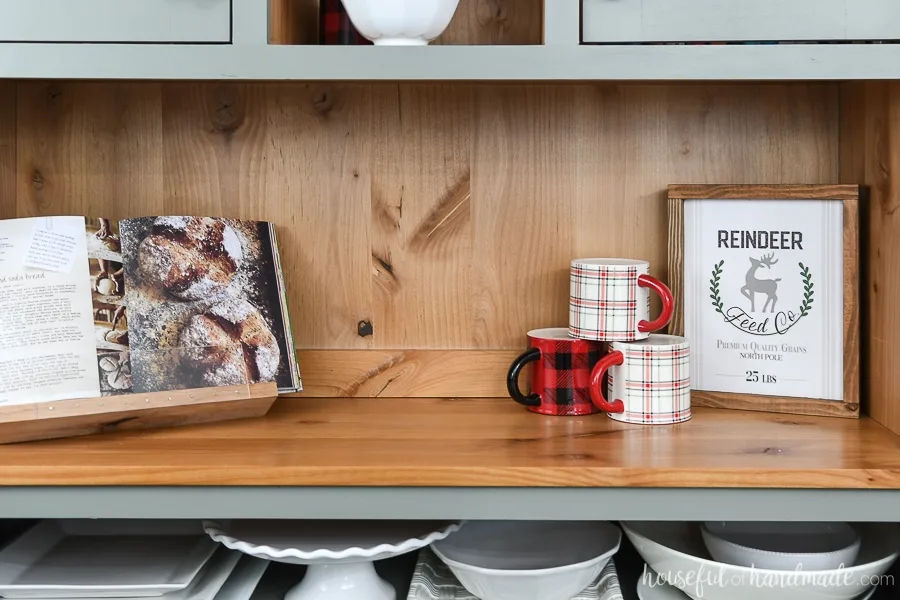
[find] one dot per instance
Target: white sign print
(763, 301)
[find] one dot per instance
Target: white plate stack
(433, 580)
(173, 560)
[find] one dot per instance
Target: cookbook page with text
(47, 344)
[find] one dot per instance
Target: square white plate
(207, 583)
(244, 579)
(103, 559)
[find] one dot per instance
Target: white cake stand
(340, 554)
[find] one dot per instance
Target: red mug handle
(612, 359)
(668, 304)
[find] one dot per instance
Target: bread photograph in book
(107, 276)
(205, 304)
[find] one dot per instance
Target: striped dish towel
(433, 580)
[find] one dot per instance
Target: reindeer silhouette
(754, 286)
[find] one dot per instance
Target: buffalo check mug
(609, 300)
(561, 375)
(649, 380)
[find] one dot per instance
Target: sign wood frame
(848, 195)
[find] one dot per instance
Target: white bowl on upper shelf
(528, 560)
(782, 546)
(677, 553)
(401, 22)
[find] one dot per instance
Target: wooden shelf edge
(467, 477)
(475, 442)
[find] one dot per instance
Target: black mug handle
(512, 379)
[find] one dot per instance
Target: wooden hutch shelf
(363, 178)
(471, 443)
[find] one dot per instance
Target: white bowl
(782, 546)
(676, 551)
(528, 560)
(400, 22)
(651, 587)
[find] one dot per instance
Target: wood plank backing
(870, 156)
(472, 442)
(487, 22)
(418, 217)
(89, 149)
(293, 21)
(8, 207)
(415, 373)
(421, 140)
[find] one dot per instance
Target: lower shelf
(279, 578)
(388, 458)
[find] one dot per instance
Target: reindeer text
(763, 240)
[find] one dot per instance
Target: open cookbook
(93, 307)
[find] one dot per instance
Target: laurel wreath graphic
(808, 291)
(714, 287)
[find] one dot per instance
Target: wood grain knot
(228, 113)
(383, 264)
(54, 93)
(447, 218)
(388, 214)
(491, 11)
(375, 372)
(383, 273)
(37, 180)
(883, 182)
(364, 328)
(323, 103)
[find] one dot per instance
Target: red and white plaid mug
(561, 375)
(609, 300)
(649, 380)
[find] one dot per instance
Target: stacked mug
(610, 336)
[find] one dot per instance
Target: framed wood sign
(766, 284)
